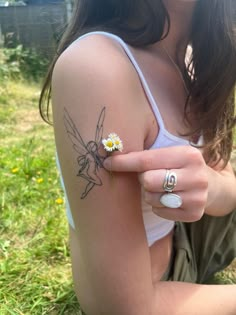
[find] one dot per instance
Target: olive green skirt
(202, 248)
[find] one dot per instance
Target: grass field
(35, 273)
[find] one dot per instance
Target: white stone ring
(170, 181)
(170, 200)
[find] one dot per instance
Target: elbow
(118, 310)
(115, 306)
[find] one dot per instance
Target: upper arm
(89, 89)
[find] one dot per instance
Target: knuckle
(195, 156)
(195, 206)
(199, 202)
(197, 215)
(202, 181)
(194, 215)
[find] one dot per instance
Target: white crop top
(155, 226)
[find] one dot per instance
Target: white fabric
(155, 226)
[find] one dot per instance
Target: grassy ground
(35, 273)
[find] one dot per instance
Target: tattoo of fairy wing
(89, 160)
(75, 137)
(99, 129)
(77, 141)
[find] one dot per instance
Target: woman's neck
(181, 13)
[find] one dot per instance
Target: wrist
(221, 192)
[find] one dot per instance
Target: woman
(151, 228)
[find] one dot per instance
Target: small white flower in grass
(113, 143)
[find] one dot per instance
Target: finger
(191, 210)
(186, 180)
(171, 157)
(190, 201)
(178, 215)
(153, 199)
(153, 181)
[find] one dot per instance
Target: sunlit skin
(114, 269)
(89, 159)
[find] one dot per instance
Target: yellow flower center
(109, 144)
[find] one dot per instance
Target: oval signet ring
(170, 200)
(170, 181)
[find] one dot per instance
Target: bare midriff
(160, 254)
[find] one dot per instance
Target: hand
(192, 180)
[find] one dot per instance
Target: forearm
(178, 298)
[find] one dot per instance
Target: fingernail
(107, 164)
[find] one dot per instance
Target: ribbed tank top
(155, 226)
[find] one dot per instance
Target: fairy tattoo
(89, 160)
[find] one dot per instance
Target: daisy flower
(109, 145)
(117, 141)
(113, 143)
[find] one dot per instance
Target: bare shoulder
(95, 55)
(93, 73)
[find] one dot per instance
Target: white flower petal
(113, 143)
(108, 145)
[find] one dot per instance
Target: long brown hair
(210, 75)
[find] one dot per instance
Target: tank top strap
(139, 72)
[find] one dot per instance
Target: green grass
(35, 269)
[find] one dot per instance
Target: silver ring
(170, 181)
(170, 200)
